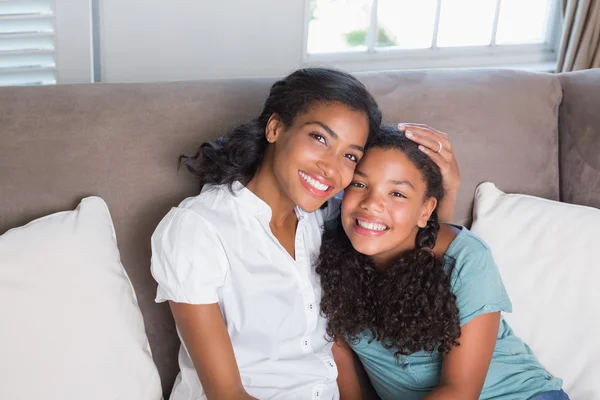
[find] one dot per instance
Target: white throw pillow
(70, 326)
(547, 255)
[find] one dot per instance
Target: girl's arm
(465, 367)
(205, 336)
(430, 140)
(347, 379)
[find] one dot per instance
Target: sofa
(530, 133)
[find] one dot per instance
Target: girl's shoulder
(446, 235)
(467, 254)
(457, 241)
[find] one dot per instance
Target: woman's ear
(274, 128)
(428, 207)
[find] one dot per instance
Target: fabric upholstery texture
(580, 138)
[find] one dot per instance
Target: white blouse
(218, 248)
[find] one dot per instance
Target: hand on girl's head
(437, 145)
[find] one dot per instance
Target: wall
(157, 40)
(151, 40)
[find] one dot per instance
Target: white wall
(166, 40)
(155, 40)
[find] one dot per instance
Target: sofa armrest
(579, 137)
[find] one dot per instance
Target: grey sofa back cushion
(121, 142)
(580, 138)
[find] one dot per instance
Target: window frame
(73, 33)
(540, 56)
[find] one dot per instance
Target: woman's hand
(436, 145)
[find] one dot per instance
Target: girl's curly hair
(409, 306)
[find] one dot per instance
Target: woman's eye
(358, 185)
(352, 157)
(397, 194)
(318, 137)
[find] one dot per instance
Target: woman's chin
(309, 204)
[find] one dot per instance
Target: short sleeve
(188, 259)
(478, 286)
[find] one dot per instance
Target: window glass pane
(338, 25)
(466, 23)
(523, 22)
(406, 24)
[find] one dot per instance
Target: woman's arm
(205, 336)
(347, 379)
(430, 141)
(465, 367)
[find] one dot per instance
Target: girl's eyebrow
(333, 135)
(405, 183)
(395, 182)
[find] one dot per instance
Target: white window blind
(27, 42)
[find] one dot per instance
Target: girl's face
(315, 157)
(385, 205)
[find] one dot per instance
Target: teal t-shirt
(514, 373)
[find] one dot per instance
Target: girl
(418, 302)
(236, 261)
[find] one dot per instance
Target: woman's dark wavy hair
(409, 305)
(238, 155)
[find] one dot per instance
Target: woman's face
(385, 205)
(315, 157)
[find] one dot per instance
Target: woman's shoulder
(200, 212)
(210, 198)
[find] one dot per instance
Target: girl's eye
(397, 194)
(358, 185)
(352, 158)
(319, 137)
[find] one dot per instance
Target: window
(430, 33)
(44, 42)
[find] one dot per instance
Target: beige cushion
(546, 253)
(71, 326)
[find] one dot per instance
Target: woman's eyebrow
(333, 134)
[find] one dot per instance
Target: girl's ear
(428, 207)
(274, 128)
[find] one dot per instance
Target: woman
(236, 261)
(419, 302)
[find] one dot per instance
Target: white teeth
(371, 226)
(316, 184)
